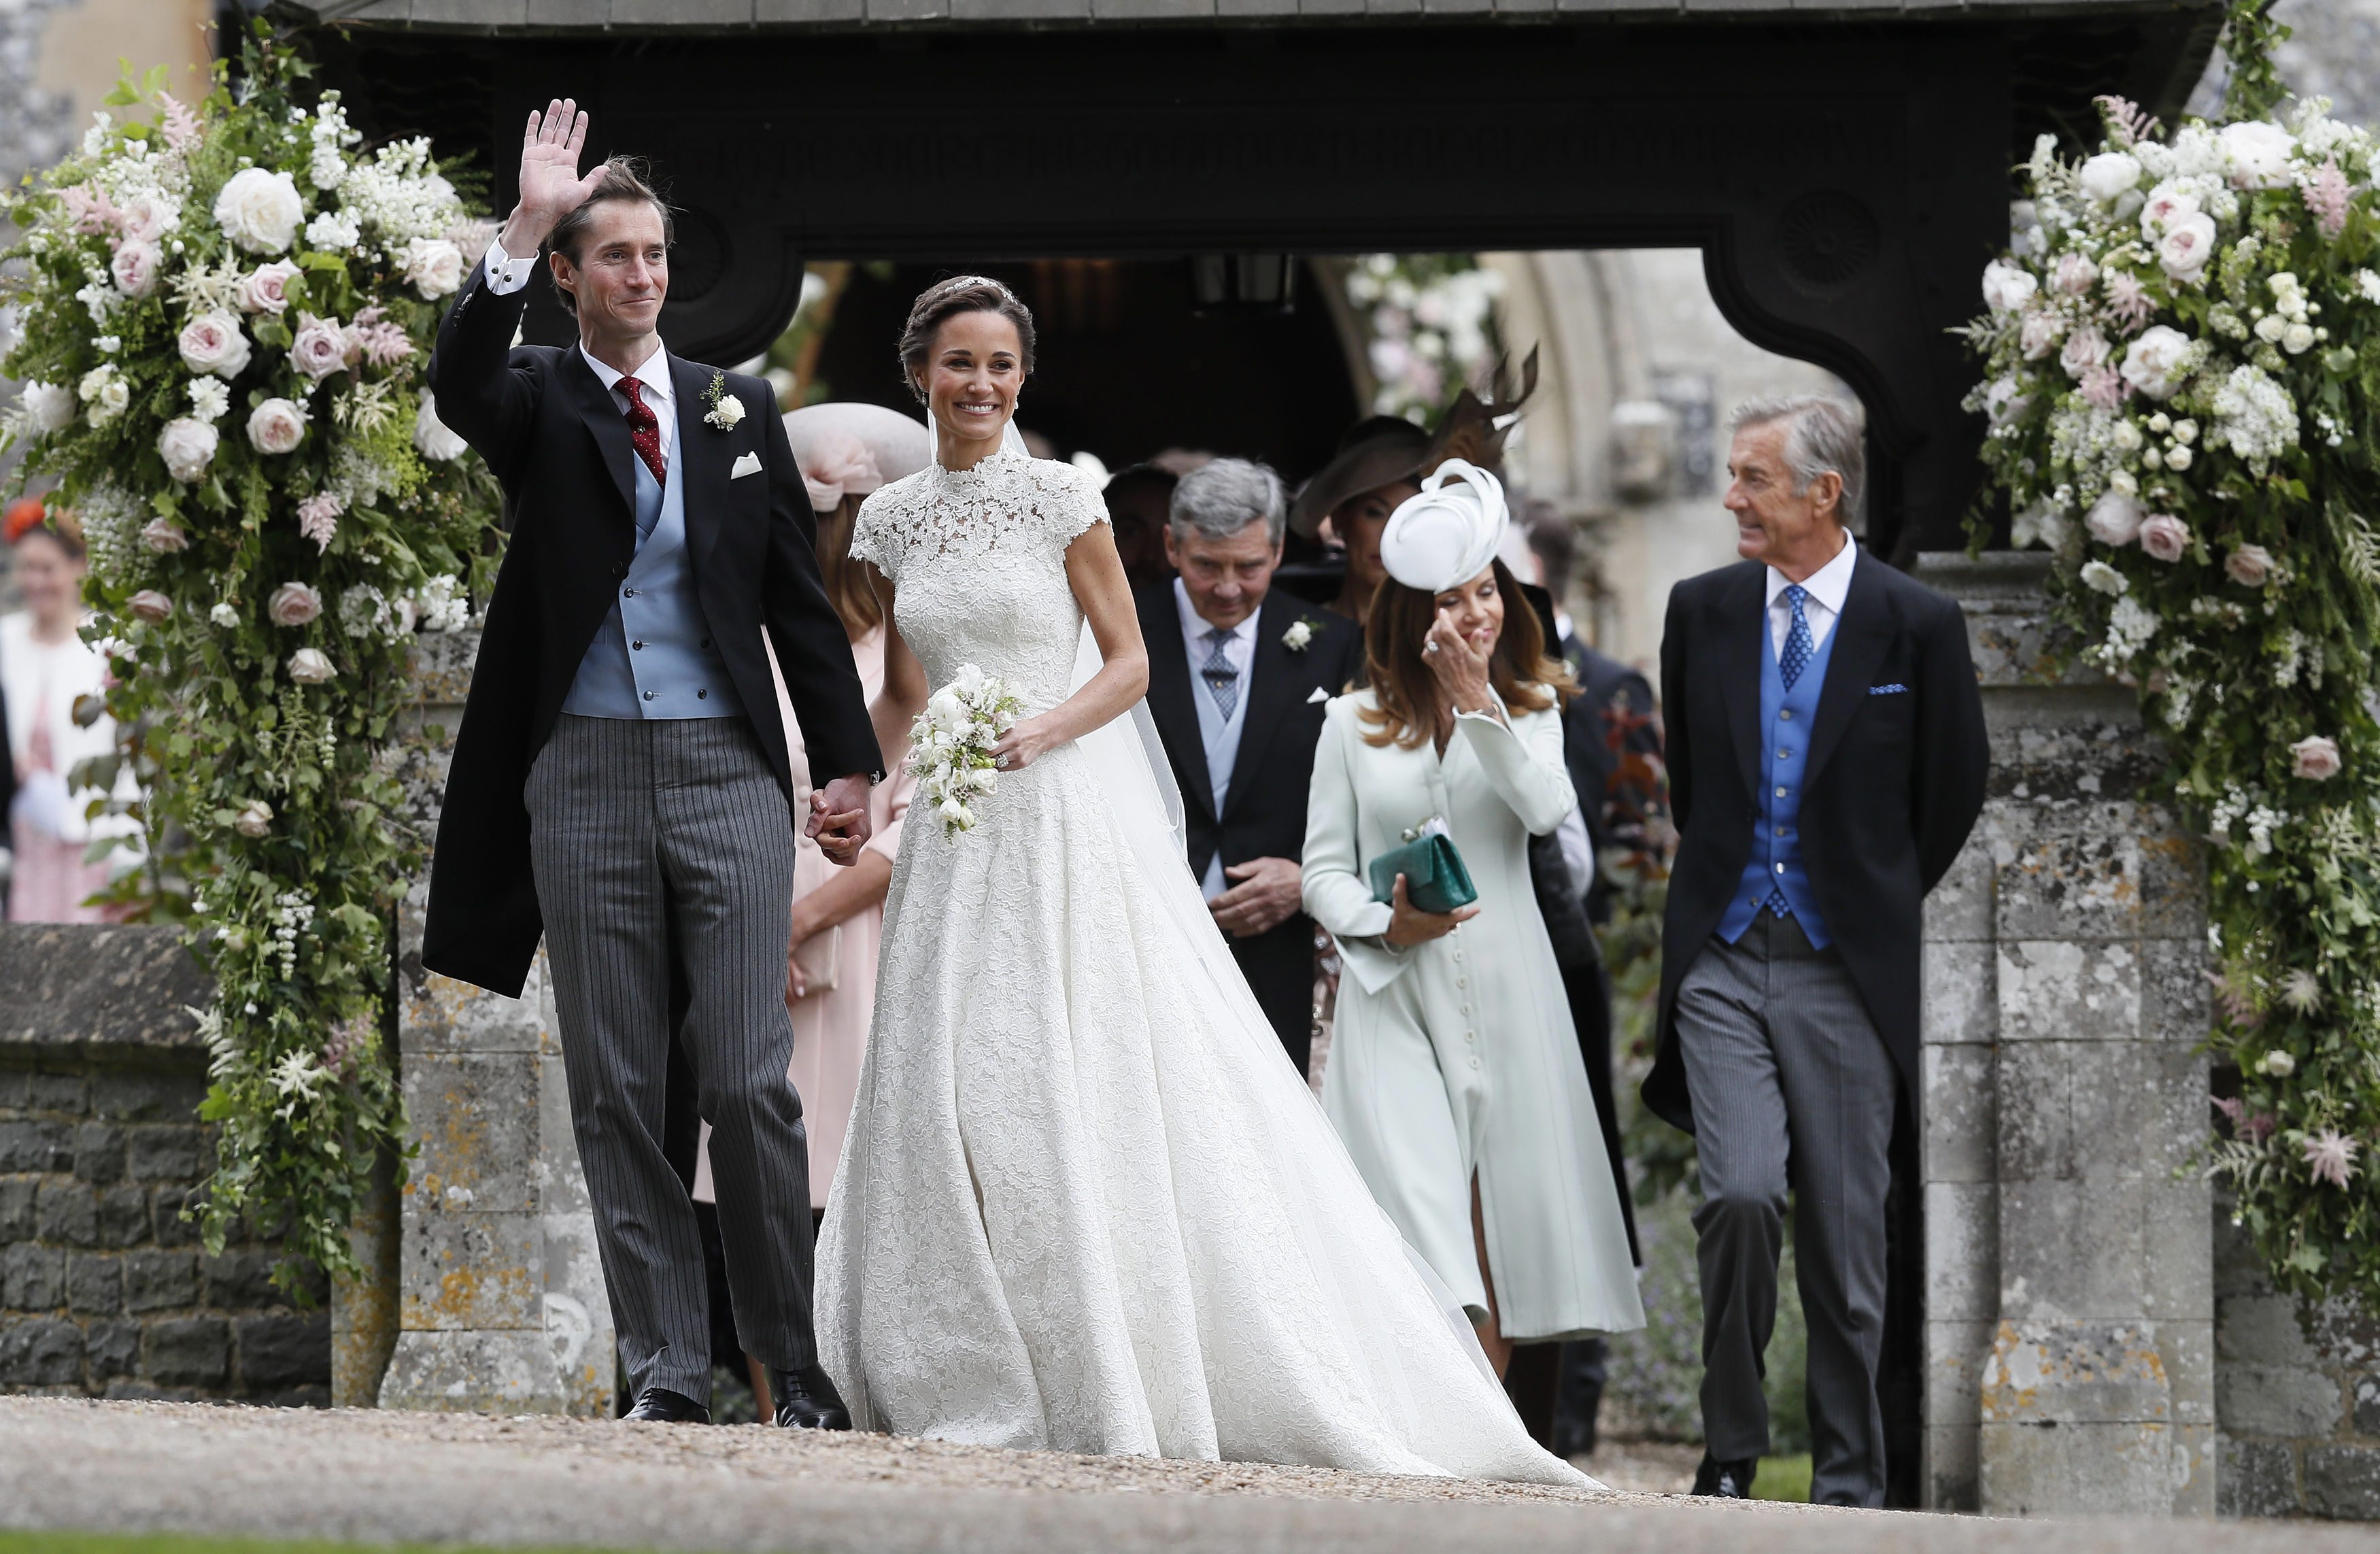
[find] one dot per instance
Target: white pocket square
(1320, 695)
(748, 464)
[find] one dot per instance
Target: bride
(1085, 1202)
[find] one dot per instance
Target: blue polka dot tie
(1790, 664)
(1222, 680)
(1798, 646)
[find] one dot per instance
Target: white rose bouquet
(236, 414)
(2182, 356)
(951, 741)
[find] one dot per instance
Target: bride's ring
(1000, 762)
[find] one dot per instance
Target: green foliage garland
(2183, 391)
(226, 318)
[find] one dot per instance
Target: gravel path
(437, 1478)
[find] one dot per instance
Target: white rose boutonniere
(726, 410)
(1300, 633)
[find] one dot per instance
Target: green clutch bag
(1435, 878)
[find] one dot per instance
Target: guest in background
(1454, 1074)
(1238, 676)
(45, 668)
(1827, 758)
(1377, 464)
(1139, 499)
(1612, 746)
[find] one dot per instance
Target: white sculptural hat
(1449, 533)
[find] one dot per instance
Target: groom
(621, 782)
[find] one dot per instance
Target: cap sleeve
(1071, 502)
(871, 534)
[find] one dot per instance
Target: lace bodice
(978, 561)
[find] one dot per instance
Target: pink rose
(276, 425)
(293, 604)
(2165, 536)
(148, 217)
(2248, 566)
(2315, 757)
(2037, 335)
(2074, 274)
(321, 347)
(134, 267)
(2085, 349)
(150, 605)
(2187, 245)
(164, 536)
(214, 342)
(265, 289)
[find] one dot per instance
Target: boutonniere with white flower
(725, 408)
(1300, 633)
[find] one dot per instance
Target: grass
(1780, 1478)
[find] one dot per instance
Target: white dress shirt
(1827, 588)
(1220, 735)
(507, 275)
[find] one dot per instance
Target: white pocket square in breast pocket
(1320, 695)
(748, 464)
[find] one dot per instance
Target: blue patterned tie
(1221, 678)
(1798, 646)
(1790, 664)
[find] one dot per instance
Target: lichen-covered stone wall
(2297, 1394)
(105, 1290)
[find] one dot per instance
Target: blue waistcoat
(1786, 718)
(653, 656)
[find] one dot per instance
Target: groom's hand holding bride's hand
(838, 822)
(549, 184)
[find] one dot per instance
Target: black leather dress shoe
(1728, 1481)
(807, 1401)
(661, 1406)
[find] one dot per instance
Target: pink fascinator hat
(849, 449)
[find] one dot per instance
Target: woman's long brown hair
(845, 579)
(1405, 690)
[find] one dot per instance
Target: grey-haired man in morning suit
(1826, 760)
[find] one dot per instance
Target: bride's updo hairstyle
(945, 300)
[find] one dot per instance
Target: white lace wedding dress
(1085, 1203)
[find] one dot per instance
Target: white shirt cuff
(505, 274)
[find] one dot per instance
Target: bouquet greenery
(2183, 374)
(227, 314)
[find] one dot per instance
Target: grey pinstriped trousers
(650, 839)
(1791, 1088)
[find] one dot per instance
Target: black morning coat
(1895, 781)
(558, 441)
(1264, 812)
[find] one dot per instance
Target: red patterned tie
(645, 430)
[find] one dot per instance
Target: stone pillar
(2069, 1293)
(500, 1301)
(363, 1308)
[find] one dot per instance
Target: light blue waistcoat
(653, 656)
(1786, 719)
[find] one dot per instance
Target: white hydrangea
(398, 194)
(442, 604)
(334, 232)
(209, 397)
(2130, 626)
(2254, 416)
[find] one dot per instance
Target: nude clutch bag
(820, 956)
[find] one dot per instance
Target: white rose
(276, 425)
(309, 666)
(2109, 174)
(255, 818)
(726, 413)
(266, 288)
(2167, 203)
(2153, 361)
(188, 446)
(2114, 519)
(2277, 1064)
(2006, 287)
(2270, 328)
(2187, 245)
(2002, 403)
(432, 437)
(214, 342)
(2177, 460)
(148, 217)
(2038, 337)
(163, 536)
(136, 267)
(2297, 339)
(2105, 578)
(105, 392)
(259, 211)
(50, 404)
(2256, 154)
(433, 267)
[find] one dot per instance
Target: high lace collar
(999, 458)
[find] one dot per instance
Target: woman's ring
(1429, 645)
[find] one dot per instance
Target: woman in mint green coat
(1455, 1076)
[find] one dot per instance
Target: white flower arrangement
(1299, 635)
(951, 741)
(2181, 374)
